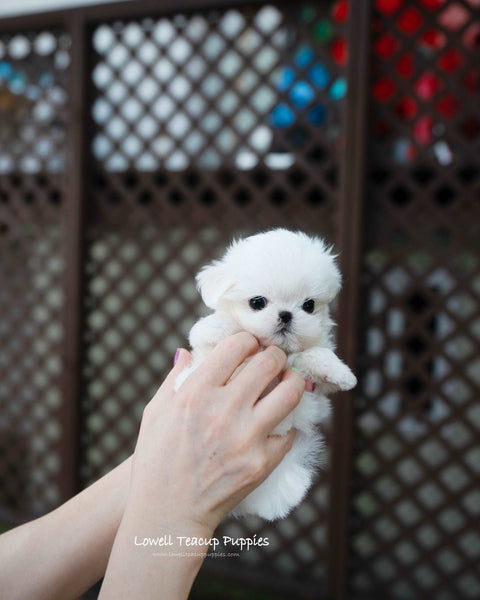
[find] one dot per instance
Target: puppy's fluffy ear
(213, 282)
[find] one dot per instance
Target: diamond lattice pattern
(31, 301)
(206, 126)
(32, 268)
(215, 89)
(33, 101)
(417, 458)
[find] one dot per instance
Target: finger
(184, 358)
(224, 359)
(258, 373)
(309, 385)
(271, 410)
(277, 446)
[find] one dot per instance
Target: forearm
(63, 553)
(165, 571)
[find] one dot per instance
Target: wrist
(157, 521)
(162, 538)
(163, 549)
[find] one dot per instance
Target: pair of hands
(205, 447)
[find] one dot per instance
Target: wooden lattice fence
(135, 140)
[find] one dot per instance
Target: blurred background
(136, 139)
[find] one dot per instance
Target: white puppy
(277, 285)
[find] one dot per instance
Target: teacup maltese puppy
(277, 286)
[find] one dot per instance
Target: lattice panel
(231, 88)
(33, 98)
(425, 80)
(205, 126)
(32, 267)
(416, 501)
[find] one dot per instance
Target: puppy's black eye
(308, 306)
(258, 302)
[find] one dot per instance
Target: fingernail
(177, 353)
(296, 370)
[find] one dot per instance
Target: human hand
(205, 447)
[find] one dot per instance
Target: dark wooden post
(74, 194)
(350, 245)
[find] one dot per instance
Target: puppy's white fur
(286, 268)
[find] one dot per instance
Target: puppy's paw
(325, 368)
(340, 378)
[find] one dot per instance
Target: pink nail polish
(177, 353)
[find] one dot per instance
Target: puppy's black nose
(285, 316)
